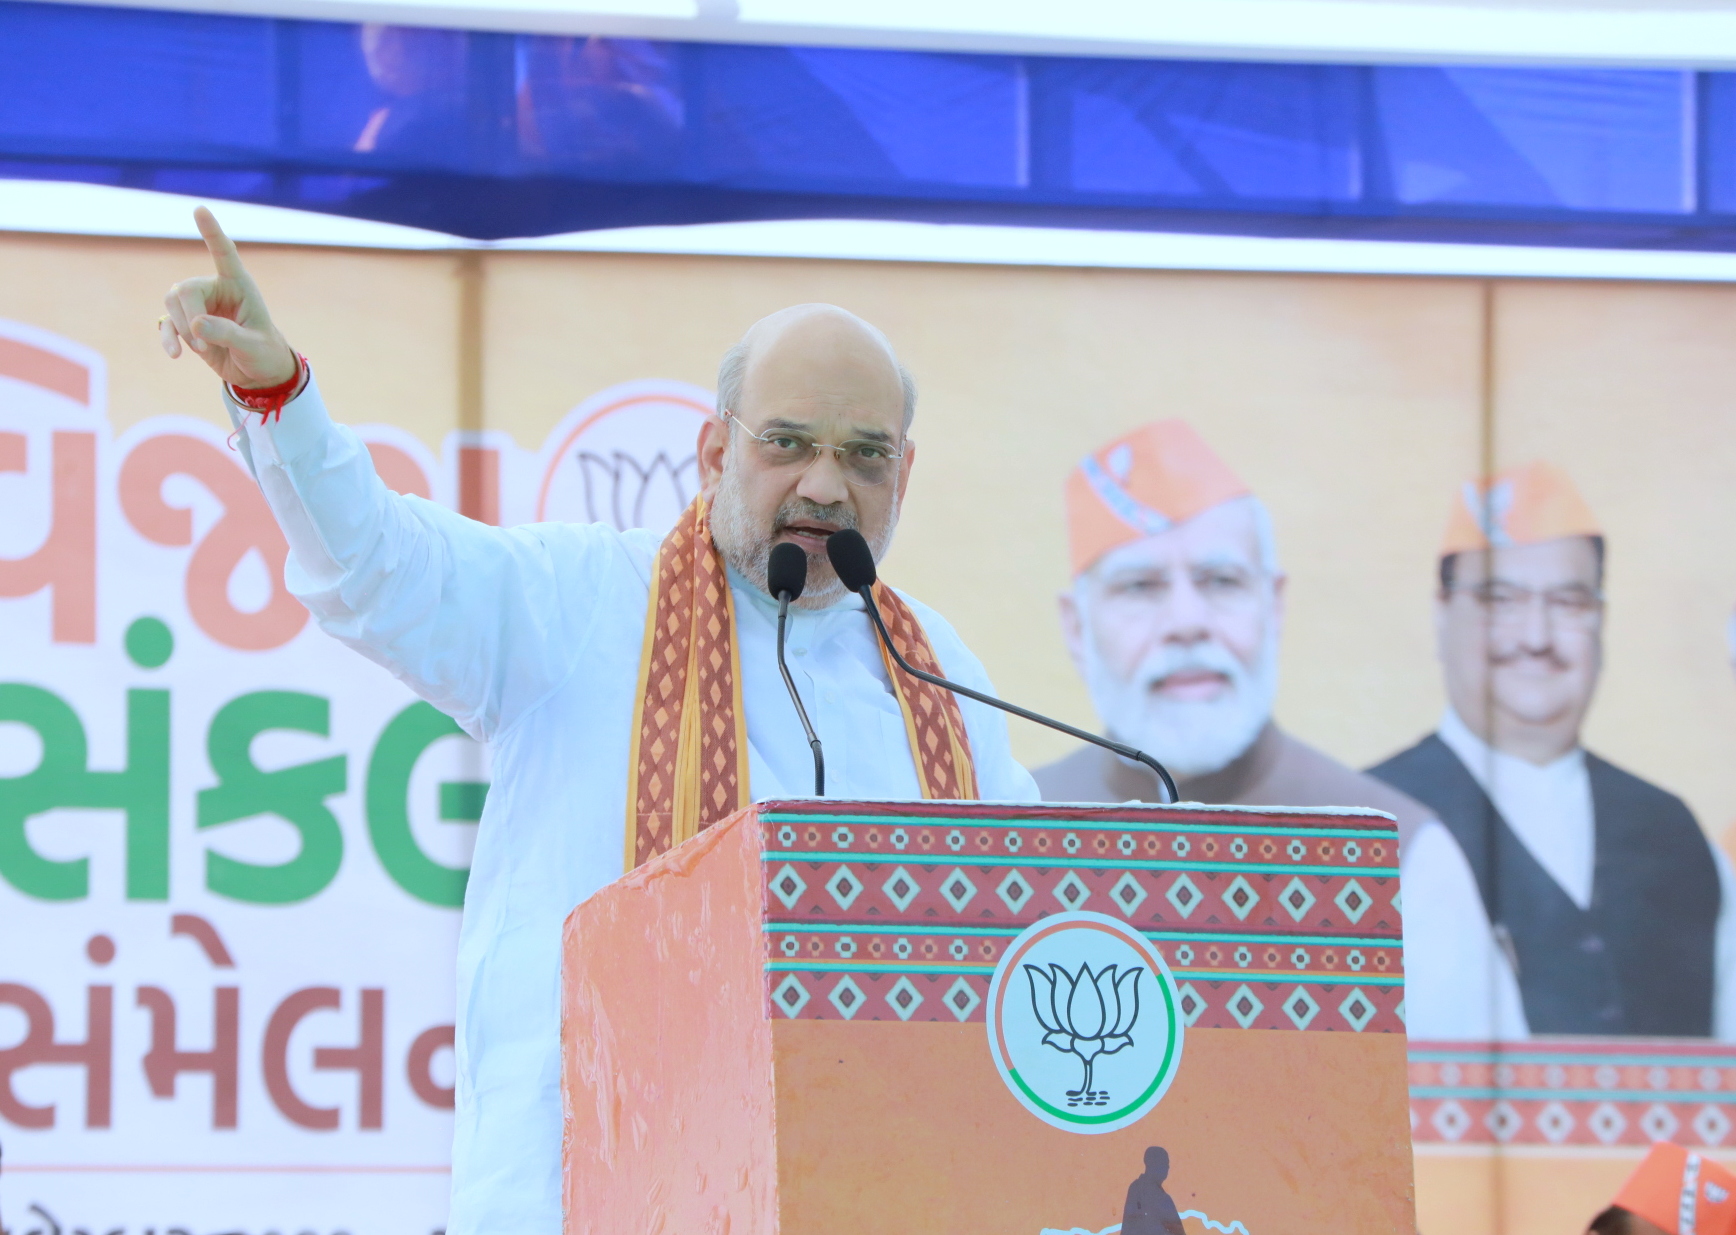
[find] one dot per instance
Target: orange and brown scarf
(689, 757)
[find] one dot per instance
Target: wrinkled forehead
(1564, 562)
(1223, 535)
(829, 369)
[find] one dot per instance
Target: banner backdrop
(232, 851)
(230, 866)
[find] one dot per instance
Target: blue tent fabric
(495, 135)
(1590, 141)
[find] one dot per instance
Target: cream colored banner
(1356, 408)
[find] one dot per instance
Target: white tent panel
(1613, 32)
(46, 207)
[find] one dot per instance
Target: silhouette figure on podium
(1149, 1210)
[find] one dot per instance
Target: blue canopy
(497, 135)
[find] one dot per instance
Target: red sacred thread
(268, 401)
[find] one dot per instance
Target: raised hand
(224, 320)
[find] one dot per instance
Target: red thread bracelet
(268, 401)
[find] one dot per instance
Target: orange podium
(962, 1018)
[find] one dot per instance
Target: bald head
(817, 375)
(820, 357)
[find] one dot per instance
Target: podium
(960, 1018)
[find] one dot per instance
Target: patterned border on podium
(900, 911)
(1571, 1093)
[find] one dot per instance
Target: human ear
(1073, 629)
(904, 466)
(713, 447)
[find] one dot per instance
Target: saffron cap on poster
(1142, 484)
(1523, 505)
(1681, 1192)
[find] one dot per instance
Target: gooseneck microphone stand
(786, 577)
(854, 562)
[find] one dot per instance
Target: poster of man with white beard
(1174, 620)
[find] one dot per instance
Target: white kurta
(1458, 982)
(530, 638)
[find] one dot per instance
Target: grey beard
(747, 546)
(1190, 739)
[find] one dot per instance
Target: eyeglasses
(862, 461)
(1508, 603)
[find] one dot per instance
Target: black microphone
(854, 562)
(786, 576)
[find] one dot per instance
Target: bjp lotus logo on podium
(1084, 1022)
(1086, 1014)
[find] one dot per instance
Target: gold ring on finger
(161, 320)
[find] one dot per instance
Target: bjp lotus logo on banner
(627, 456)
(1084, 1022)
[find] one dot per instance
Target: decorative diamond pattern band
(1572, 1093)
(1269, 920)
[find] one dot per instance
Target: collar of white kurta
(688, 763)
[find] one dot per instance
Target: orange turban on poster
(1521, 506)
(1682, 1192)
(1142, 484)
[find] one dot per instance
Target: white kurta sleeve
(1724, 952)
(1458, 984)
(478, 620)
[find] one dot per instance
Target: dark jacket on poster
(1275, 770)
(1641, 959)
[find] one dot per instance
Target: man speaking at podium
(629, 687)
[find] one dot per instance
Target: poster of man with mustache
(1174, 621)
(1563, 895)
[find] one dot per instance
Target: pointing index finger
(222, 249)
